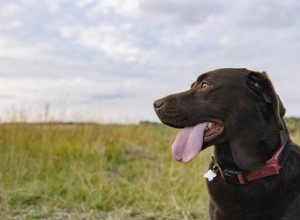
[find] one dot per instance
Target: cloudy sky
(107, 60)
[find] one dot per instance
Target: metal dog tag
(210, 175)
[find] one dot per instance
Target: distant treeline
(293, 124)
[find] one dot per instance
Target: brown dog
(255, 173)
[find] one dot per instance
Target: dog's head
(235, 106)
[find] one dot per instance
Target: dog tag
(210, 175)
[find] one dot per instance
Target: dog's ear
(262, 87)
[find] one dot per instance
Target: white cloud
(12, 48)
(99, 100)
(270, 14)
(123, 54)
(10, 10)
(118, 43)
(125, 7)
(55, 90)
(9, 16)
(187, 12)
(28, 2)
(83, 3)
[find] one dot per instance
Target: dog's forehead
(227, 76)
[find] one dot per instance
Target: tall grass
(90, 171)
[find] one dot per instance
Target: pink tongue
(188, 143)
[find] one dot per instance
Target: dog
(255, 170)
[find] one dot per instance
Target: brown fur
(252, 113)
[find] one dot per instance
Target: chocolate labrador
(255, 170)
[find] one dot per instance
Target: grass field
(90, 171)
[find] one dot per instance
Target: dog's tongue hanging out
(188, 143)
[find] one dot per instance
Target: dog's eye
(204, 85)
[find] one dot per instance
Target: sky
(108, 60)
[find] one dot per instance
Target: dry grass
(90, 171)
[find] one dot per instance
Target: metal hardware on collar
(215, 168)
(234, 177)
(272, 167)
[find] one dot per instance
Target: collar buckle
(235, 177)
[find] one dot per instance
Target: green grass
(90, 171)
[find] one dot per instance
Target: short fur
(252, 113)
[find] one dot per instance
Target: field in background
(90, 171)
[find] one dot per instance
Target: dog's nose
(158, 103)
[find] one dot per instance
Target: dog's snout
(158, 103)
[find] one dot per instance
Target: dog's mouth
(190, 140)
(212, 130)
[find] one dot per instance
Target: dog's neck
(224, 157)
(274, 154)
(261, 151)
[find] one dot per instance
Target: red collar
(271, 168)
